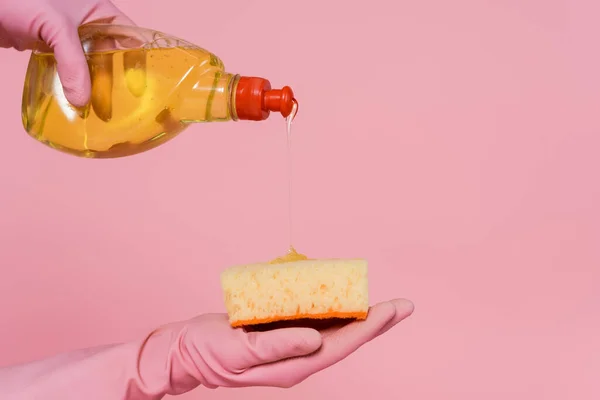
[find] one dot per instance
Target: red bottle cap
(254, 99)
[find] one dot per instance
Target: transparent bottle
(147, 87)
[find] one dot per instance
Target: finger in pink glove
(23, 23)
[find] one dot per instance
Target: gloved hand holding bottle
(206, 351)
(29, 24)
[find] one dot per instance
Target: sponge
(301, 289)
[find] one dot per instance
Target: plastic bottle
(147, 87)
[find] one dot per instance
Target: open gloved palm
(203, 351)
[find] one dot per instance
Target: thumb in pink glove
(24, 23)
(203, 351)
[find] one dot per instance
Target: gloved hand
(26, 23)
(202, 351)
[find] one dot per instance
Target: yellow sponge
(302, 289)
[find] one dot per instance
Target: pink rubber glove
(202, 351)
(26, 23)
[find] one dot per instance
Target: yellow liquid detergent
(140, 98)
(291, 256)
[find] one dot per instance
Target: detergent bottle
(147, 87)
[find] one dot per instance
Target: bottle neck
(232, 90)
(206, 98)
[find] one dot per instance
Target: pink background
(454, 144)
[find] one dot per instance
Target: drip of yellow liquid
(291, 256)
(289, 120)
